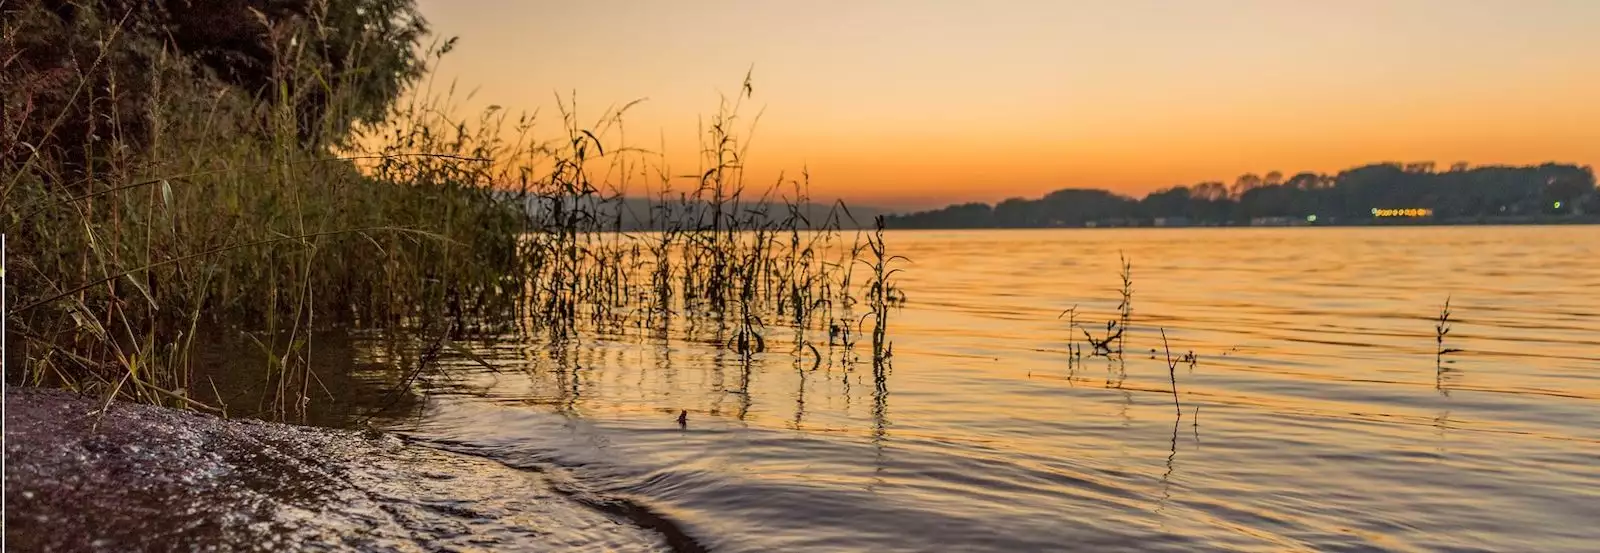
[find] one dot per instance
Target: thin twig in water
(1172, 373)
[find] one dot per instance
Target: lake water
(1314, 418)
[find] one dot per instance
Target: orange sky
(918, 103)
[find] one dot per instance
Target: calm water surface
(1315, 418)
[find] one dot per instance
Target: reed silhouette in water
(1441, 329)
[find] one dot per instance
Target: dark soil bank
(146, 478)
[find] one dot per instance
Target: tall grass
(225, 220)
(882, 294)
(229, 222)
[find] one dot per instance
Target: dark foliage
(66, 65)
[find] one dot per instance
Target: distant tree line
(1459, 193)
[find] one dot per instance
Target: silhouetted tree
(333, 62)
(1244, 183)
(1420, 167)
(1212, 190)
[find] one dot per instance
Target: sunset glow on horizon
(911, 104)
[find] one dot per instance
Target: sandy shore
(142, 478)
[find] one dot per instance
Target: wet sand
(143, 478)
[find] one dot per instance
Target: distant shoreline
(1373, 194)
(1475, 222)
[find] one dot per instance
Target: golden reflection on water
(1313, 418)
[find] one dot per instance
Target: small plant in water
(1125, 308)
(1112, 345)
(1104, 346)
(1074, 351)
(1441, 328)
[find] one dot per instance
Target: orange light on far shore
(1403, 212)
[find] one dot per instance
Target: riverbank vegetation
(177, 173)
